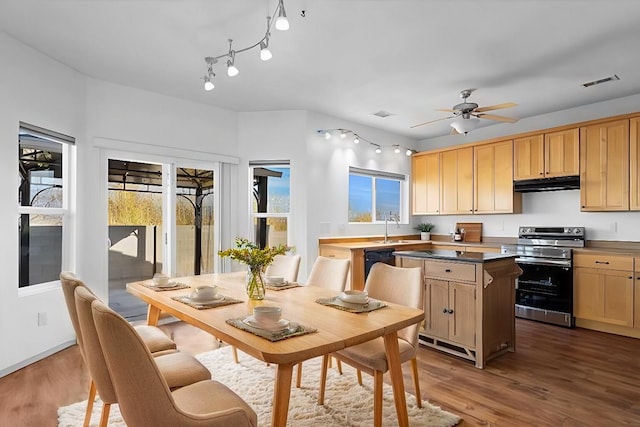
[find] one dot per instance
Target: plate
(205, 301)
(280, 325)
(168, 285)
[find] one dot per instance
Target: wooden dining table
(336, 329)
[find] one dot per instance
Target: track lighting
(328, 133)
(281, 23)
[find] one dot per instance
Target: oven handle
(543, 261)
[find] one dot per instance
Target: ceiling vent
(600, 81)
(382, 114)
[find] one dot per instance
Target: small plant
(424, 227)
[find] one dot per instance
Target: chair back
(94, 358)
(143, 394)
(286, 266)
(329, 273)
(397, 285)
(69, 284)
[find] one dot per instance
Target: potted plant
(425, 230)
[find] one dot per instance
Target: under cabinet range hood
(547, 184)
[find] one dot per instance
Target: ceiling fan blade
(495, 107)
(432, 121)
(496, 118)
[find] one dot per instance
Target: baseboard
(37, 357)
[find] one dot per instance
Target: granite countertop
(378, 244)
(454, 255)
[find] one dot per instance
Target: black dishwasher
(371, 256)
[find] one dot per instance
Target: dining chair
(328, 273)
(144, 396)
(396, 285)
(285, 266)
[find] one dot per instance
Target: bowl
(274, 280)
(204, 293)
(160, 279)
(267, 314)
(357, 297)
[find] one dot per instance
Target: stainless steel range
(544, 291)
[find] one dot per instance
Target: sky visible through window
(387, 197)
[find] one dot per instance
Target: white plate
(205, 301)
(280, 325)
(353, 299)
(168, 285)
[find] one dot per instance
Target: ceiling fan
(466, 110)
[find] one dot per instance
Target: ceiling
(349, 58)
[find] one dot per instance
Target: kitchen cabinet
(493, 179)
(425, 183)
(604, 166)
(636, 293)
(547, 155)
(603, 288)
(456, 181)
(468, 302)
(634, 164)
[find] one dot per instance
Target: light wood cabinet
(450, 313)
(636, 294)
(634, 164)
(528, 157)
(456, 181)
(604, 166)
(603, 288)
(493, 179)
(425, 180)
(547, 155)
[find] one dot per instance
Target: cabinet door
(456, 181)
(587, 294)
(636, 293)
(462, 321)
(562, 153)
(617, 305)
(493, 178)
(436, 306)
(634, 166)
(425, 172)
(604, 166)
(528, 157)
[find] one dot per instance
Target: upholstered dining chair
(144, 396)
(286, 266)
(328, 273)
(399, 286)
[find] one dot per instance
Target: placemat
(336, 302)
(161, 288)
(289, 285)
(295, 329)
(200, 306)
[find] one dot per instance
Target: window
(375, 195)
(43, 162)
(270, 204)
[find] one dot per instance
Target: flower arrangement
(424, 227)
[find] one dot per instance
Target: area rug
(346, 402)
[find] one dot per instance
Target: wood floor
(557, 377)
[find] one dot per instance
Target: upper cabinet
(425, 183)
(456, 181)
(604, 166)
(493, 179)
(546, 155)
(634, 164)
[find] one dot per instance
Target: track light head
(232, 71)
(356, 139)
(378, 150)
(282, 23)
(265, 53)
(208, 84)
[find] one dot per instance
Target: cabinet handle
(444, 310)
(602, 262)
(450, 311)
(630, 277)
(447, 270)
(541, 173)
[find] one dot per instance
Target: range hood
(547, 184)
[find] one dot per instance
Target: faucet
(386, 220)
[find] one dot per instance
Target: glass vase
(255, 285)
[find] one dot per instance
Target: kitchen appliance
(371, 256)
(544, 291)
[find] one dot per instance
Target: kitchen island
(469, 301)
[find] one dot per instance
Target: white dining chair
(285, 266)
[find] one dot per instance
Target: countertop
(399, 243)
(476, 257)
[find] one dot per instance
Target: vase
(255, 285)
(425, 235)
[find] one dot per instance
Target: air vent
(597, 82)
(382, 114)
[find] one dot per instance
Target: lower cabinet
(636, 293)
(450, 311)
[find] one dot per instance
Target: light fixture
(464, 126)
(281, 23)
(397, 148)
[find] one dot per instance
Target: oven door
(545, 284)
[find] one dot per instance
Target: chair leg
(416, 381)
(235, 354)
(299, 377)
(359, 374)
(323, 378)
(104, 418)
(90, 400)
(339, 363)
(377, 398)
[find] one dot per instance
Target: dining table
(333, 329)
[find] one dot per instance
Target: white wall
(547, 208)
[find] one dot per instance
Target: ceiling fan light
(282, 23)
(464, 126)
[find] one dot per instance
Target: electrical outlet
(42, 318)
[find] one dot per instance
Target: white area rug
(346, 402)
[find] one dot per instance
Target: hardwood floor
(557, 377)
